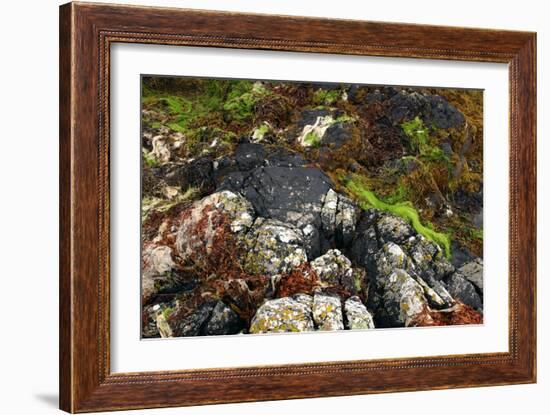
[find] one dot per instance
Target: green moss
(404, 210)
(176, 105)
(344, 118)
(240, 107)
(476, 233)
(312, 139)
(326, 97)
(417, 133)
(421, 143)
(150, 160)
(261, 131)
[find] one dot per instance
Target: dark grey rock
(282, 157)
(273, 191)
(434, 110)
(442, 114)
(292, 195)
(249, 156)
(460, 255)
(308, 117)
(192, 324)
(365, 242)
(337, 135)
(196, 173)
(473, 272)
(462, 289)
(375, 96)
(223, 320)
(405, 106)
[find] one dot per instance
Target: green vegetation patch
(312, 139)
(404, 210)
(326, 97)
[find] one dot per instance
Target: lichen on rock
(273, 247)
(403, 298)
(327, 312)
(357, 315)
(283, 315)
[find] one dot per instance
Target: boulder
(281, 185)
(273, 247)
(444, 298)
(190, 324)
(357, 315)
(223, 320)
(309, 117)
(364, 245)
(462, 289)
(440, 113)
(204, 223)
(391, 257)
(327, 312)
(323, 128)
(434, 110)
(283, 315)
(385, 242)
(332, 267)
(375, 229)
(403, 298)
(473, 272)
(248, 156)
(404, 106)
(393, 229)
(337, 134)
(157, 275)
(293, 195)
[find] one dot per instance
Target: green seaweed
(404, 210)
(420, 143)
(418, 135)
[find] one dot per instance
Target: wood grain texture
(86, 33)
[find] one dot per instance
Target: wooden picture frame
(86, 33)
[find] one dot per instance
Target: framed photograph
(260, 207)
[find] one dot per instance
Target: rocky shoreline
(267, 236)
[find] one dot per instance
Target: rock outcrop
(273, 247)
(283, 315)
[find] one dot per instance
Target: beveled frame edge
(86, 33)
